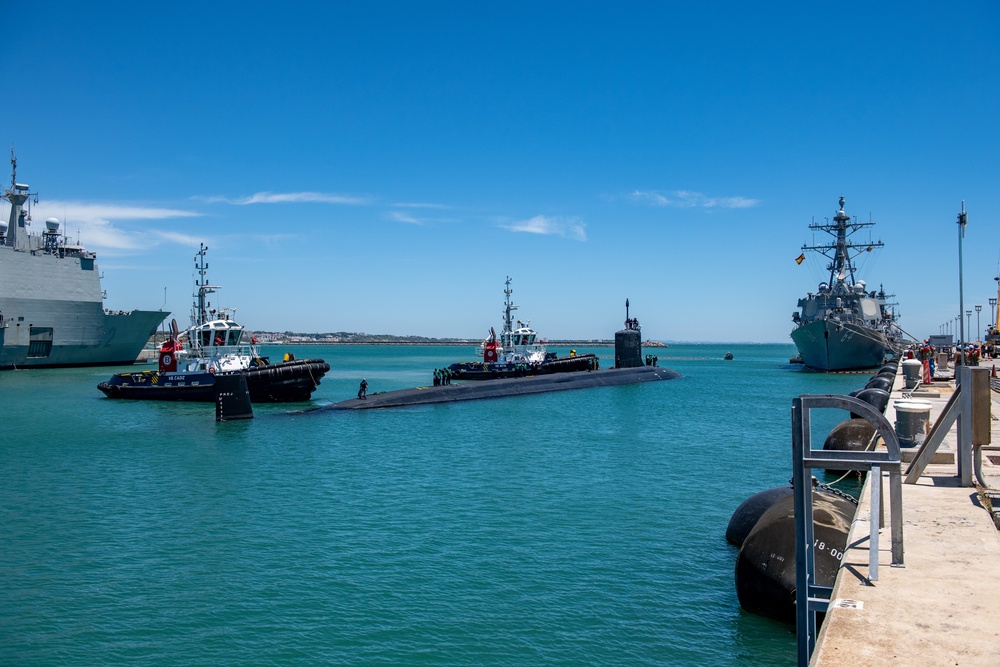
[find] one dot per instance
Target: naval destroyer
(844, 326)
(51, 304)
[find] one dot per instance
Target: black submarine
(629, 369)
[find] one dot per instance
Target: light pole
(963, 220)
(993, 317)
(968, 317)
(978, 330)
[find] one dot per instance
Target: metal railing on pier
(810, 599)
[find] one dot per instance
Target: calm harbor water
(583, 527)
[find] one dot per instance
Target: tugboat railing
(810, 598)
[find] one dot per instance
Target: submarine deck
(522, 386)
(941, 607)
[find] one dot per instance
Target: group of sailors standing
(442, 376)
(970, 356)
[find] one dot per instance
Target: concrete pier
(941, 607)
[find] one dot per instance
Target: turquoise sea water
(583, 527)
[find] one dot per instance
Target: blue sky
(383, 166)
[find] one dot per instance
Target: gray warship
(843, 326)
(51, 304)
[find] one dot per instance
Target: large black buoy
(853, 435)
(232, 397)
(628, 343)
(765, 567)
(749, 512)
(879, 382)
(891, 375)
(877, 398)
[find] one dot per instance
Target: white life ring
(167, 360)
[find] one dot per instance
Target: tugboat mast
(508, 321)
(842, 266)
(200, 314)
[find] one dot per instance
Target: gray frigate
(844, 326)
(51, 303)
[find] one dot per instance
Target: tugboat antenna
(203, 288)
(508, 306)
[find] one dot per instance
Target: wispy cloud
(551, 226)
(688, 199)
(420, 205)
(94, 222)
(290, 198)
(97, 211)
(178, 238)
(400, 216)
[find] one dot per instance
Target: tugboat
(518, 352)
(189, 361)
(843, 326)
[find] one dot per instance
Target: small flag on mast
(801, 258)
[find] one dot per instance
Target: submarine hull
(504, 387)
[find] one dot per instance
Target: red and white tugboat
(517, 352)
(214, 343)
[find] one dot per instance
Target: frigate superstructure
(51, 303)
(844, 326)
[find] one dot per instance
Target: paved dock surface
(943, 607)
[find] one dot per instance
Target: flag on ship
(801, 258)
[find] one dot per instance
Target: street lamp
(993, 303)
(968, 317)
(963, 220)
(978, 330)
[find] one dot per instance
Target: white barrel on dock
(912, 418)
(912, 371)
